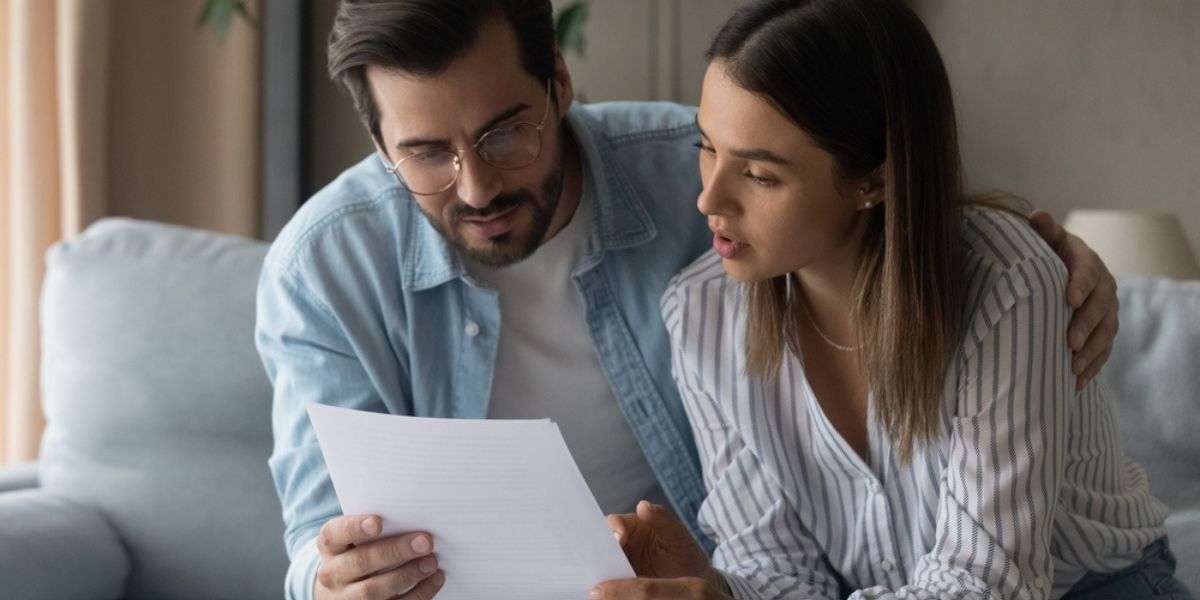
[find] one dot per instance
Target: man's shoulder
(631, 122)
(364, 201)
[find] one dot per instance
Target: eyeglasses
(508, 147)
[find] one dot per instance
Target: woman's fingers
(622, 526)
(643, 588)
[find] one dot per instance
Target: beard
(513, 246)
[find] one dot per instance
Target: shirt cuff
(302, 572)
(740, 587)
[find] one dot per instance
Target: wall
(1067, 103)
(636, 50)
(1078, 103)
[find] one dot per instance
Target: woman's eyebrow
(756, 154)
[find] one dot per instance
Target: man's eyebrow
(758, 154)
(504, 115)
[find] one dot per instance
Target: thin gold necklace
(836, 346)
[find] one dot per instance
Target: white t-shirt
(547, 367)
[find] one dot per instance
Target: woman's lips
(726, 247)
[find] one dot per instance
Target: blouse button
(472, 328)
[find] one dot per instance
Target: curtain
(111, 107)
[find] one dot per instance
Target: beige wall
(636, 50)
(182, 119)
(1070, 103)
(1079, 103)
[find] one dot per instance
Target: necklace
(836, 346)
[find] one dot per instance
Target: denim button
(472, 328)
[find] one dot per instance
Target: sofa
(152, 481)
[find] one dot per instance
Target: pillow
(158, 408)
(55, 549)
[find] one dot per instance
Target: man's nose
(479, 182)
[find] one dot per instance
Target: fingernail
(371, 526)
(420, 544)
(617, 535)
(428, 565)
(438, 578)
(595, 595)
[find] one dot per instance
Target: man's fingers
(379, 556)
(1087, 363)
(1085, 270)
(427, 589)
(402, 582)
(1101, 305)
(1045, 226)
(339, 533)
(1093, 370)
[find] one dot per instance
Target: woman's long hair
(864, 79)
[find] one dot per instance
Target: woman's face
(773, 198)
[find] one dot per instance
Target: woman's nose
(713, 199)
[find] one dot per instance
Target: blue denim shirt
(362, 304)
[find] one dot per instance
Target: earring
(868, 205)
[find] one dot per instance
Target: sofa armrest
(52, 548)
(18, 477)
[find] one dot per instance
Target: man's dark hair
(423, 37)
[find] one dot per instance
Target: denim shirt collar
(621, 219)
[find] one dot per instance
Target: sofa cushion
(1155, 374)
(158, 408)
(54, 549)
(1156, 377)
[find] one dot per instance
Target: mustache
(498, 205)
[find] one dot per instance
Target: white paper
(510, 513)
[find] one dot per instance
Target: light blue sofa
(153, 480)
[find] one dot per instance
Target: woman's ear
(869, 191)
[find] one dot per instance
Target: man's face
(495, 216)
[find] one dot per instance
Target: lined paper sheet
(509, 511)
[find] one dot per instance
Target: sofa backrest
(1155, 371)
(158, 408)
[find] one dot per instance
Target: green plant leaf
(219, 14)
(569, 27)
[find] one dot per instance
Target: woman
(873, 364)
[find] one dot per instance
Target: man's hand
(668, 561)
(356, 565)
(1091, 291)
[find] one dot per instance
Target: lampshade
(1134, 242)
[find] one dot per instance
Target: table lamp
(1136, 242)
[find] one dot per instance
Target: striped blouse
(1023, 490)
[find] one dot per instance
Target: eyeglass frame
(394, 169)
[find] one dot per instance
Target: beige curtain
(110, 107)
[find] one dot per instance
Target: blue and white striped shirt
(1023, 490)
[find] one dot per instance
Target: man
(503, 256)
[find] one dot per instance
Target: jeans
(1151, 577)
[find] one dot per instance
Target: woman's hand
(668, 561)
(680, 588)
